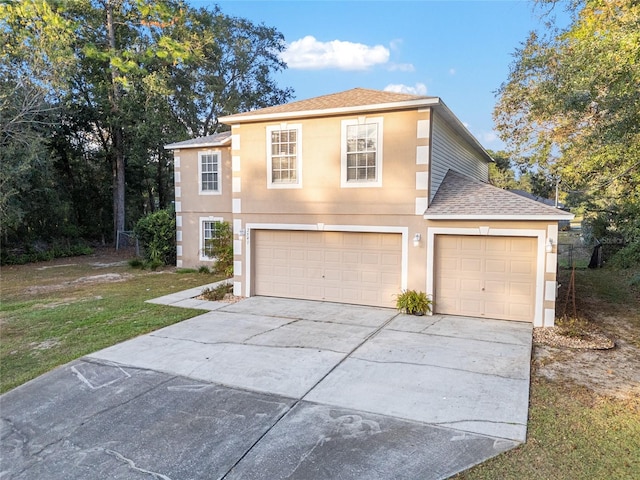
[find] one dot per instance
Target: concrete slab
(497, 331)
(476, 403)
(335, 337)
(279, 370)
(222, 327)
(316, 441)
(477, 356)
(144, 425)
(373, 395)
(315, 311)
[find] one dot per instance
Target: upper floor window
(209, 171)
(362, 152)
(284, 161)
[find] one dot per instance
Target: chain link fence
(127, 240)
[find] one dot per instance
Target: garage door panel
(389, 279)
(349, 267)
(390, 260)
(497, 245)
(470, 244)
(471, 265)
(491, 276)
(499, 287)
(500, 266)
(522, 267)
(370, 259)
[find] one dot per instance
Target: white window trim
(285, 126)
(201, 221)
(343, 153)
(219, 189)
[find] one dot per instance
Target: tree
(28, 110)
(502, 173)
(229, 72)
(571, 104)
(123, 78)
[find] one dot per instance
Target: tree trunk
(117, 133)
(162, 202)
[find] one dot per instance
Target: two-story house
(356, 196)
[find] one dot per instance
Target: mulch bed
(555, 337)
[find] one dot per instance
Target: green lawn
(54, 312)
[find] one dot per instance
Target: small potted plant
(413, 302)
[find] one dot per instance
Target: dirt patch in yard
(605, 356)
(91, 279)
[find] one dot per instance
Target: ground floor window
(210, 233)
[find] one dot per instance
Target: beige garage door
(493, 277)
(344, 267)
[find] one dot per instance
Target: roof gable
(460, 197)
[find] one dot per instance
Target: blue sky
(457, 50)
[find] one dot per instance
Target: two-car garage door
(346, 267)
(479, 276)
(484, 276)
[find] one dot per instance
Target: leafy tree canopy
(571, 106)
(91, 91)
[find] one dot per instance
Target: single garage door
(483, 276)
(344, 267)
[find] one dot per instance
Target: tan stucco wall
(321, 191)
(322, 201)
(191, 206)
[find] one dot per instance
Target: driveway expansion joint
(475, 372)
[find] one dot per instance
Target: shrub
(222, 249)
(218, 293)
(413, 302)
(204, 269)
(157, 234)
(627, 257)
(136, 263)
(30, 253)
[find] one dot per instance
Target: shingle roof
(215, 140)
(356, 97)
(461, 197)
(537, 198)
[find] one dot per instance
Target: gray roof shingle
(215, 140)
(356, 97)
(461, 197)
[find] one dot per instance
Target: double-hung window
(284, 159)
(209, 233)
(361, 152)
(209, 172)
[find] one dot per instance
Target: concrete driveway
(272, 388)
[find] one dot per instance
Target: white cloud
(419, 89)
(402, 67)
(311, 54)
(452, 71)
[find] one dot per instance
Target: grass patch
(572, 434)
(54, 313)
